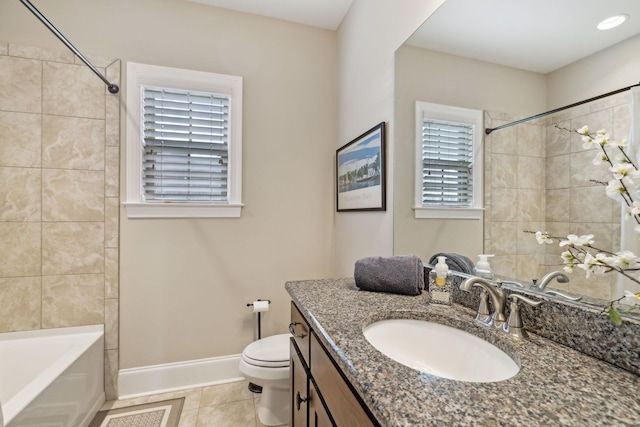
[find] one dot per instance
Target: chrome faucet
(547, 278)
(498, 298)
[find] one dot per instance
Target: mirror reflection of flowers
(624, 187)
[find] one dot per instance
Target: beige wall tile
(621, 122)
(504, 141)
(111, 323)
(531, 205)
(20, 139)
(72, 143)
(531, 172)
(506, 264)
(22, 51)
(530, 140)
(504, 238)
(20, 85)
(111, 224)
(72, 300)
(505, 204)
(72, 90)
(112, 171)
(504, 172)
(111, 259)
(20, 250)
(588, 204)
(558, 171)
(526, 243)
(583, 170)
(74, 139)
(73, 248)
(72, 195)
(20, 194)
(558, 141)
(20, 308)
(111, 364)
(528, 266)
(557, 204)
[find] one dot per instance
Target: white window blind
(185, 150)
(447, 163)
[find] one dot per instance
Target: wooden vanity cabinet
(320, 395)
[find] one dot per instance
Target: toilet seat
(269, 352)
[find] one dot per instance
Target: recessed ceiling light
(612, 22)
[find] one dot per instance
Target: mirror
(514, 60)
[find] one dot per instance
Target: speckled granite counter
(555, 386)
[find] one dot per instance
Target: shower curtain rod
(489, 130)
(113, 88)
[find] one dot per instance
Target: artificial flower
(543, 237)
(574, 241)
(584, 130)
(621, 170)
(600, 157)
(631, 297)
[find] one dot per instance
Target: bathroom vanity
(339, 378)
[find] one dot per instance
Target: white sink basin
(440, 350)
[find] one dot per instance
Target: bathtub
(52, 377)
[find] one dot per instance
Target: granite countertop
(556, 385)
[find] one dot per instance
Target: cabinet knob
(292, 330)
(299, 400)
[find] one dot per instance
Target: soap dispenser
(483, 269)
(440, 283)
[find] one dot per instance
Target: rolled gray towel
(455, 262)
(402, 274)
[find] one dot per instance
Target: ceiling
(536, 35)
(318, 13)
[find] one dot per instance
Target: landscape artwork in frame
(360, 170)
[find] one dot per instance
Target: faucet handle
(515, 297)
(514, 323)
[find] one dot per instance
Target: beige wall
(367, 39)
(59, 190)
(602, 72)
(184, 284)
(429, 76)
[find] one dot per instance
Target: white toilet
(266, 363)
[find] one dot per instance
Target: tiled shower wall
(538, 177)
(59, 197)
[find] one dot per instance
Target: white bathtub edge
(97, 405)
(157, 379)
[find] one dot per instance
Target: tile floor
(224, 405)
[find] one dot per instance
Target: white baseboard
(170, 377)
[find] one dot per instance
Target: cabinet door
(298, 382)
(343, 405)
(318, 413)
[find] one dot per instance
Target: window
(448, 181)
(184, 143)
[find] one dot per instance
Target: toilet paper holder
(250, 304)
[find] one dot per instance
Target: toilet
(265, 362)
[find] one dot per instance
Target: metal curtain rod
(113, 88)
(489, 130)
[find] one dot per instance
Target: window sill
(448, 213)
(182, 210)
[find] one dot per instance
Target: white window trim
(457, 114)
(139, 75)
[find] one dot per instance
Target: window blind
(185, 145)
(447, 163)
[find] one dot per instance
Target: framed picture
(361, 172)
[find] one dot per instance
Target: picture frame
(361, 173)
